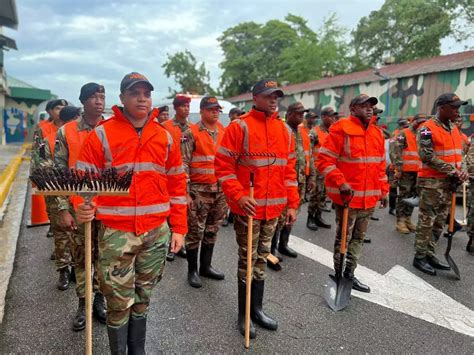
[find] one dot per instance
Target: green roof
(21, 90)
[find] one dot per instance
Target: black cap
(235, 111)
(377, 111)
(90, 89)
(209, 102)
(180, 100)
(267, 87)
(450, 99)
(420, 117)
(132, 79)
(402, 121)
(59, 102)
(163, 109)
(68, 113)
(296, 107)
(48, 105)
(362, 99)
(328, 111)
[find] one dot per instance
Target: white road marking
(401, 291)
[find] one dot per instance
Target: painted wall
(18, 117)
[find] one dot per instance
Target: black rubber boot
(52, 256)
(469, 246)
(79, 322)
(423, 265)
(72, 276)
(98, 308)
(320, 222)
(182, 253)
(118, 339)
(392, 202)
(241, 319)
(436, 263)
(276, 267)
(193, 277)
(311, 223)
(136, 335)
(256, 309)
(63, 281)
(283, 243)
(170, 256)
(205, 267)
(356, 284)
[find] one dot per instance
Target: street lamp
(387, 101)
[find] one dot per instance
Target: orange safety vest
(304, 132)
(158, 189)
(322, 135)
(51, 139)
(202, 162)
(47, 128)
(354, 155)
(410, 156)
(447, 145)
(275, 185)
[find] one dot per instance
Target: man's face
(210, 115)
(449, 112)
(95, 104)
(266, 103)
(363, 111)
(55, 112)
(182, 111)
(311, 120)
(137, 101)
(294, 118)
(328, 120)
(163, 116)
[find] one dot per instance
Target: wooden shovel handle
(452, 212)
(88, 250)
(345, 220)
(248, 278)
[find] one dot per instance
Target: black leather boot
(311, 223)
(118, 339)
(98, 308)
(436, 263)
(356, 284)
(182, 253)
(63, 281)
(423, 265)
(136, 335)
(276, 267)
(320, 222)
(392, 202)
(469, 246)
(205, 267)
(256, 309)
(72, 276)
(283, 243)
(170, 256)
(241, 319)
(193, 277)
(79, 322)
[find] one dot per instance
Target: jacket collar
(261, 115)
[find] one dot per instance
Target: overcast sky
(64, 44)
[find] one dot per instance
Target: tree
(404, 29)
(192, 77)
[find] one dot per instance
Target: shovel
(338, 289)
(449, 235)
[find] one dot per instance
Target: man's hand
(290, 216)
(248, 205)
(346, 191)
(189, 201)
(177, 242)
(461, 175)
(85, 213)
(311, 185)
(66, 221)
(383, 202)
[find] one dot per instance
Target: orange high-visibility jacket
(410, 156)
(202, 162)
(47, 128)
(275, 185)
(447, 146)
(158, 187)
(51, 139)
(322, 135)
(354, 155)
(304, 132)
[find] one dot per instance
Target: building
(403, 90)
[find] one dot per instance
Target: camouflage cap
(328, 111)
(362, 99)
(377, 111)
(180, 100)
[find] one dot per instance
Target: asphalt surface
(38, 317)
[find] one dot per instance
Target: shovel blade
(453, 265)
(338, 293)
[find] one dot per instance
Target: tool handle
(248, 278)
(464, 202)
(452, 212)
(88, 250)
(345, 220)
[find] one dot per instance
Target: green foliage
(192, 77)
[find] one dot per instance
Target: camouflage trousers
(263, 231)
(432, 214)
(130, 266)
(406, 189)
(317, 197)
(62, 247)
(79, 257)
(282, 219)
(470, 212)
(205, 218)
(356, 231)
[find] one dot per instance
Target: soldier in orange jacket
(276, 187)
(134, 235)
(352, 161)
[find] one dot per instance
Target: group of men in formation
(190, 178)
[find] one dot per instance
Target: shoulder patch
(400, 137)
(425, 133)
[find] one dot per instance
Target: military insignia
(184, 139)
(400, 137)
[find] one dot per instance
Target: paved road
(38, 317)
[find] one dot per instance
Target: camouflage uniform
(209, 204)
(435, 195)
(356, 231)
(470, 219)
(318, 195)
(61, 160)
(41, 157)
(130, 266)
(407, 183)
